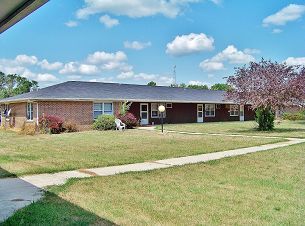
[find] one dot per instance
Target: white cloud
(135, 8)
(69, 68)
(108, 21)
(198, 83)
(136, 45)
(230, 54)
(74, 77)
(252, 51)
(71, 23)
(159, 79)
(188, 44)
(44, 64)
(26, 60)
(210, 65)
(295, 61)
(88, 69)
(45, 78)
(277, 31)
(291, 12)
(104, 57)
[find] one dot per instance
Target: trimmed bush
(104, 122)
(51, 124)
(129, 119)
(70, 127)
(29, 128)
(294, 116)
(265, 119)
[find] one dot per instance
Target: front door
(199, 112)
(144, 114)
(242, 113)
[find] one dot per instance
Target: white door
(144, 114)
(199, 112)
(242, 113)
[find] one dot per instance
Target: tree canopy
(220, 86)
(152, 83)
(12, 85)
(268, 84)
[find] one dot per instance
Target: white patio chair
(119, 125)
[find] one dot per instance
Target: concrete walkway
(16, 193)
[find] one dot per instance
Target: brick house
(81, 102)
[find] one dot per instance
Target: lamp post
(161, 109)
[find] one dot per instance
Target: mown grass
(20, 154)
(265, 188)
(283, 129)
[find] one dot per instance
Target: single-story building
(82, 102)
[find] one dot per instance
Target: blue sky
(138, 41)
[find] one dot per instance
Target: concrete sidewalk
(43, 180)
(16, 193)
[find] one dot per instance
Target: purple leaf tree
(268, 85)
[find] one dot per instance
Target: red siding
(187, 113)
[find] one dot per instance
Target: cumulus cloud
(230, 54)
(45, 78)
(136, 45)
(104, 57)
(26, 60)
(71, 23)
(210, 65)
(295, 61)
(290, 13)
(135, 8)
(108, 21)
(44, 64)
(188, 44)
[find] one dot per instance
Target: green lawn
(284, 129)
(265, 188)
(20, 154)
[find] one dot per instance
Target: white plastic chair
(119, 125)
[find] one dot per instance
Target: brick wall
(79, 112)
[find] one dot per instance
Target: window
(169, 105)
(234, 110)
(210, 110)
(155, 111)
(102, 108)
(29, 111)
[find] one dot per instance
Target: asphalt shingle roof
(76, 90)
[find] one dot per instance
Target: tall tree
(269, 87)
(220, 86)
(152, 83)
(12, 84)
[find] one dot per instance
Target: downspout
(37, 115)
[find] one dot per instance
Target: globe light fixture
(161, 109)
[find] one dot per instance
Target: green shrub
(294, 116)
(104, 122)
(265, 119)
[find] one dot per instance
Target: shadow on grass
(36, 207)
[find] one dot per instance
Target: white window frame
(234, 110)
(209, 108)
(154, 110)
(158, 113)
(103, 110)
(169, 105)
(30, 113)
